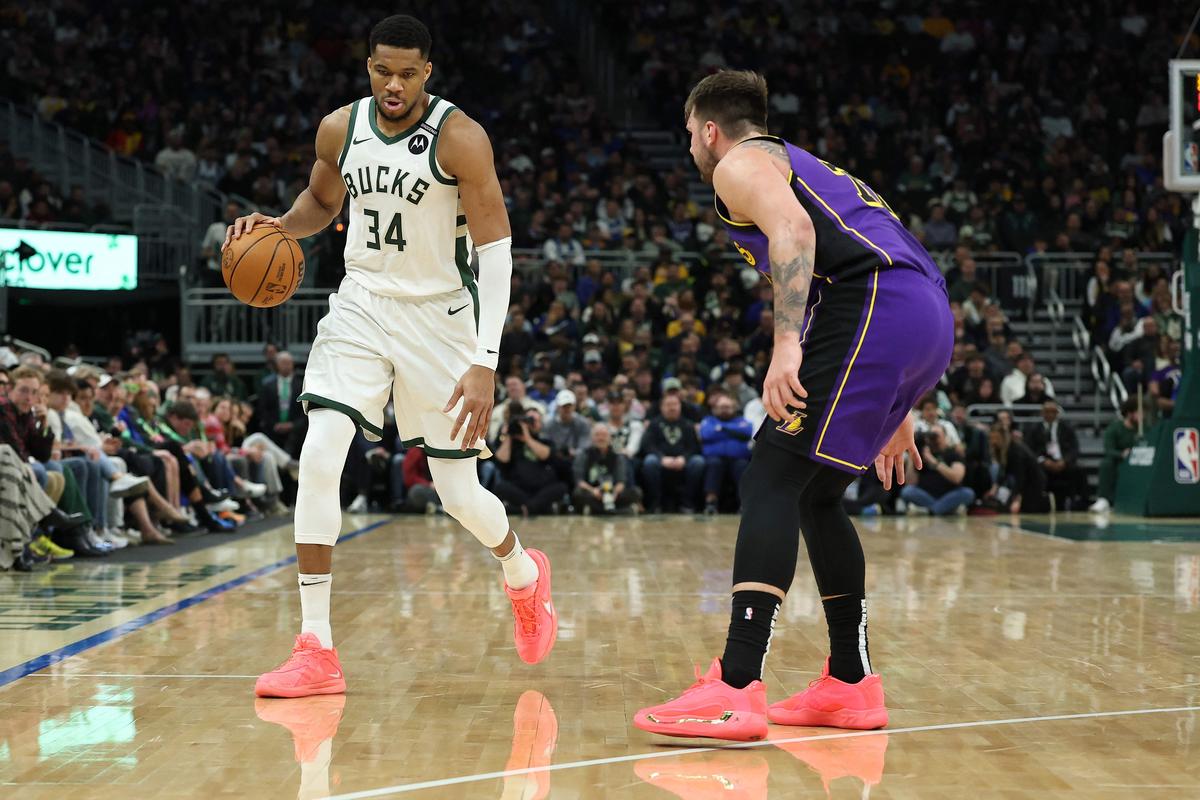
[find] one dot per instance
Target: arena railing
(1067, 274)
(1108, 385)
(1023, 414)
(12, 342)
(213, 321)
(1081, 337)
(68, 158)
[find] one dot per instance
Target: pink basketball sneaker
(710, 708)
(831, 703)
(311, 669)
(535, 627)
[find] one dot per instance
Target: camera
(514, 424)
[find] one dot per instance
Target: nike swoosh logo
(455, 311)
(337, 674)
(360, 141)
(546, 604)
(313, 583)
(491, 352)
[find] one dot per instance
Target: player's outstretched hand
(891, 457)
(246, 224)
(477, 389)
(782, 386)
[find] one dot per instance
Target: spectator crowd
(1020, 126)
(980, 128)
(94, 459)
(636, 341)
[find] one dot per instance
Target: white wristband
(495, 279)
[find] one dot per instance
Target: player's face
(398, 78)
(702, 154)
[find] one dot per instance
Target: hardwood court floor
(1016, 665)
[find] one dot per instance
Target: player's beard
(706, 162)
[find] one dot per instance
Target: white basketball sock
(519, 569)
(314, 606)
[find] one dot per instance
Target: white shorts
(412, 348)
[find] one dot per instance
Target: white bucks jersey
(407, 235)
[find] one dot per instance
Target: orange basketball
(263, 267)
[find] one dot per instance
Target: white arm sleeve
(495, 279)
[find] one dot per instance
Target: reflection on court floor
(1041, 665)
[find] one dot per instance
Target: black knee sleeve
(834, 549)
(769, 536)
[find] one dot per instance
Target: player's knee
(827, 488)
(324, 451)
(317, 471)
(761, 479)
(458, 503)
(477, 510)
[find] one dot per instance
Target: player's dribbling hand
(246, 224)
(891, 457)
(476, 388)
(782, 387)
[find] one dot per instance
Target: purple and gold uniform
(878, 332)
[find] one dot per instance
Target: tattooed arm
(751, 181)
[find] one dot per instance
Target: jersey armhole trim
(349, 133)
(718, 205)
(433, 165)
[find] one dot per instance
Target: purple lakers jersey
(856, 230)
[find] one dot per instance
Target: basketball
(263, 267)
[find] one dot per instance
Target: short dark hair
(60, 381)
(401, 30)
(734, 99)
(1129, 407)
(184, 410)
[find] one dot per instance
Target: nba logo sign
(1187, 455)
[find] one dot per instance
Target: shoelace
(526, 613)
(700, 681)
(297, 649)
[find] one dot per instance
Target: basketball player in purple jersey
(862, 329)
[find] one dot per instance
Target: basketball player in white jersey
(408, 322)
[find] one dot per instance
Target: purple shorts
(872, 347)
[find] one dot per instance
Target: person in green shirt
(1120, 435)
(102, 391)
(223, 382)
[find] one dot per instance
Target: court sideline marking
(668, 752)
(147, 675)
(66, 651)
